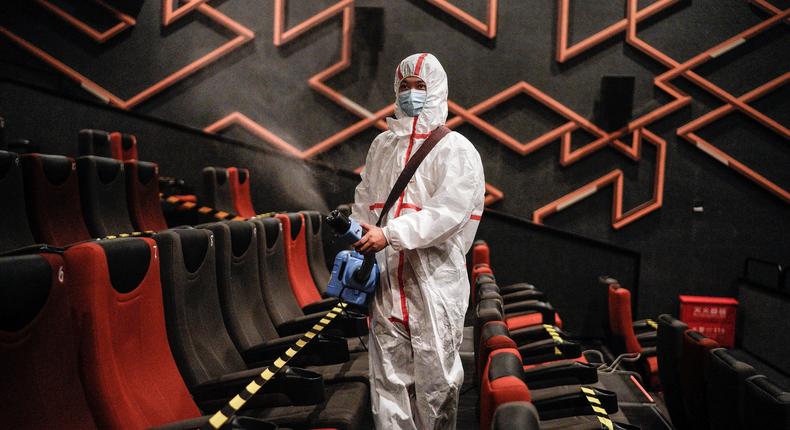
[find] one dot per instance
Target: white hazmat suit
(417, 314)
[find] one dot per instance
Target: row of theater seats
(706, 387)
(228, 189)
(57, 200)
(529, 370)
(531, 373)
(158, 331)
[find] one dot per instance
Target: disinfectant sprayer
(354, 276)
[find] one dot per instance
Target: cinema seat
(693, 377)
(524, 416)
(142, 196)
(304, 289)
(548, 361)
(39, 383)
(130, 377)
(239, 180)
(725, 390)
(14, 228)
(53, 199)
(126, 363)
(278, 295)
(314, 224)
(623, 338)
(125, 144)
(503, 382)
(206, 355)
(515, 415)
(216, 189)
(481, 253)
(97, 143)
(669, 351)
(767, 406)
(103, 196)
(247, 319)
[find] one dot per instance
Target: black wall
(682, 250)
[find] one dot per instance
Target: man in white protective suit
(417, 314)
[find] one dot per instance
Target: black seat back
(275, 284)
(767, 406)
(725, 382)
(669, 349)
(315, 250)
(103, 196)
(195, 328)
(14, 228)
(244, 312)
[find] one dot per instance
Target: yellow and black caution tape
(595, 404)
(184, 205)
(146, 233)
(226, 413)
(555, 337)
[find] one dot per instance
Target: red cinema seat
(53, 199)
(39, 383)
(625, 339)
(239, 180)
(124, 146)
(128, 370)
(103, 196)
(142, 195)
(216, 189)
(480, 253)
(302, 284)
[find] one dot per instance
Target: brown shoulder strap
(411, 167)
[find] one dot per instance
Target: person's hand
(373, 240)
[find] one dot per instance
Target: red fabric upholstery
(39, 382)
(499, 391)
(481, 254)
(129, 373)
(620, 320)
(53, 199)
(145, 209)
(124, 146)
(240, 192)
(528, 320)
(302, 284)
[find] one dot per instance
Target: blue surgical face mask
(411, 102)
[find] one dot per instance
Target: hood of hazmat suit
(417, 313)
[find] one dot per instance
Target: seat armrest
(575, 404)
(535, 333)
(512, 288)
(562, 373)
(323, 305)
(642, 326)
(346, 324)
(291, 386)
(647, 339)
(324, 349)
(649, 351)
(549, 350)
(544, 308)
(236, 422)
(524, 295)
